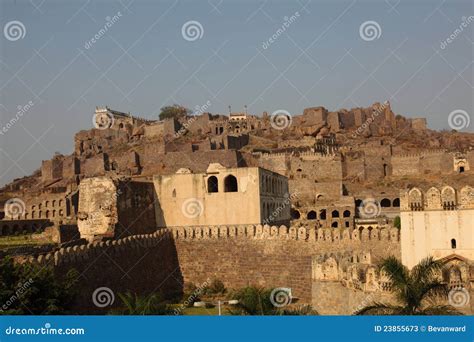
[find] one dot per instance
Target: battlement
(79, 253)
(260, 232)
(420, 154)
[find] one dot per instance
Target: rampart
(237, 255)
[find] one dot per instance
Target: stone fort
(312, 206)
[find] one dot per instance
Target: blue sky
(143, 62)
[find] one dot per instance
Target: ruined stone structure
(115, 208)
(437, 222)
(311, 207)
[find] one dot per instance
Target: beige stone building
(222, 196)
(437, 222)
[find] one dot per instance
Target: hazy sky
(268, 55)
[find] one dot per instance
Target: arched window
(46, 203)
(335, 213)
(396, 202)
(453, 243)
(311, 215)
(346, 213)
(212, 184)
(230, 184)
(334, 225)
(47, 213)
(322, 214)
(54, 203)
(173, 193)
(60, 203)
(295, 214)
(385, 203)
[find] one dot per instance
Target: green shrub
(34, 289)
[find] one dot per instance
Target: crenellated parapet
(262, 232)
(437, 198)
(91, 251)
(352, 270)
(419, 154)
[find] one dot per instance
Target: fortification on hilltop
(311, 202)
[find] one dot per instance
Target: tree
(134, 304)
(397, 222)
(35, 289)
(413, 289)
(173, 112)
(257, 301)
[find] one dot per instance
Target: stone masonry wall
(140, 264)
(271, 256)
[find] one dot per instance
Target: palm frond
(426, 270)
(397, 273)
(380, 309)
(447, 310)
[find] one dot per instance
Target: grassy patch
(23, 240)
